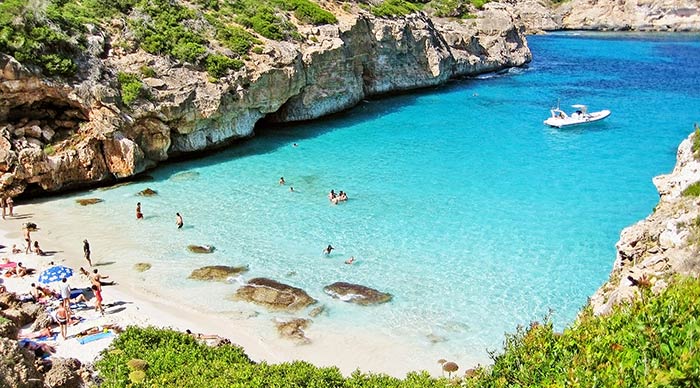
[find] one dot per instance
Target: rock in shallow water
(356, 293)
(88, 201)
(148, 192)
(274, 295)
(217, 272)
(200, 248)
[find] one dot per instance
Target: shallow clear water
(463, 205)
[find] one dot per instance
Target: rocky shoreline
(57, 135)
(664, 244)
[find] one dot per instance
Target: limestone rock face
(274, 295)
(58, 135)
(64, 373)
(608, 15)
(17, 369)
(356, 293)
(663, 244)
(638, 15)
(217, 273)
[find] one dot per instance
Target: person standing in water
(178, 220)
(86, 251)
(328, 249)
(139, 215)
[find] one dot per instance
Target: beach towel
(11, 264)
(75, 292)
(95, 337)
(47, 338)
(79, 306)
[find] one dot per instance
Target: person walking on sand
(27, 239)
(178, 220)
(62, 318)
(65, 294)
(10, 206)
(3, 203)
(139, 215)
(86, 251)
(98, 299)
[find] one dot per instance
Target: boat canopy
(580, 107)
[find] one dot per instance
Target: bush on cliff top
(391, 8)
(653, 342)
(175, 359)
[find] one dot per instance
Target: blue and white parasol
(55, 273)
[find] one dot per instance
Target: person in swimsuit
(38, 250)
(350, 260)
(27, 239)
(3, 203)
(282, 182)
(139, 215)
(178, 220)
(10, 206)
(328, 249)
(86, 251)
(62, 318)
(98, 299)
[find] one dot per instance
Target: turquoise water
(463, 205)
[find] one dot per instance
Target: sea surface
(473, 214)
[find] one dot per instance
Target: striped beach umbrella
(54, 274)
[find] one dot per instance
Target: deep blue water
(463, 205)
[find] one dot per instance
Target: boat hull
(571, 121)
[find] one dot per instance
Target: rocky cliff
(608, 15)
(667, 242)
(57, 134)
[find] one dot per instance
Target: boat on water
(560, 119)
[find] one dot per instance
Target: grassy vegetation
(391, 8)
(696, 143)
(131, 87)
(51, 33)
(148, 357)
(692, 190)
(654, 342)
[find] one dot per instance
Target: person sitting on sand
(350, 260)
(19, 271)
(38, 250)
(96, 279)
(42, 294)
(328, 249)
(16, 250)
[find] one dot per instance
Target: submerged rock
(185, 176)
(356, 293)
(142, 267)
(274, 295)
(148, 192)
(88, 201)
(201, 248)
(217, 272)
(294, 329)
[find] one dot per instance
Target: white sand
(369, 352)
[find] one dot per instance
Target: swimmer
(282, 182)
(178, 220)
(328, 249)
(350, 260)
(291, 189)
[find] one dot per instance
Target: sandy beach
(130, 304)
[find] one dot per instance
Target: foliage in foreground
(168, 358)
(654, 342)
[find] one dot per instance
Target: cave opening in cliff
(48, 114)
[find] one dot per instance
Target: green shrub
(692, 190)
(391, 8)
(257, 50)
(236, 39)
(696, 142)
(218, 65)
(49, 150)
(147, 71)
(652, 342)
(130, 86)
(177, 360)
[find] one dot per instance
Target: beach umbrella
(55, 273)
